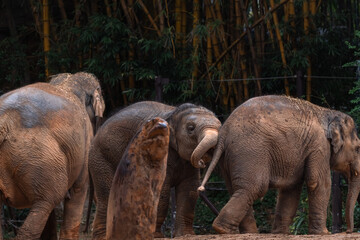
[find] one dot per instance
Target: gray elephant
(193, 132)
(45, 134)
(281, 142)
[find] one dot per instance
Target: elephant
(281, 142)
(45, 134)
(193, 135)
(136, 187)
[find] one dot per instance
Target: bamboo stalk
(161, 15)
(196, 13)
(178, 22)
(306, 29)
(46, 36)
(127, 14)
(268, 25)
(241, 37)
(149, 17)
(238, 22)
(108, 9)
(183, 25)
(35, 13)
(62, 9)
(252, 50)
(168, 23)
(281, 46)
(209, 56)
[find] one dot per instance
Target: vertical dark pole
(158, 89)
(299, 83)
(336, 203)
(159, 83)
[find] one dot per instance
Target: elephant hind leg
(35, 221)
(50, 230)
(248, 224)
(286, 206)
(73, 207)
(233, 212)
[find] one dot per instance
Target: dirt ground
(267, 237)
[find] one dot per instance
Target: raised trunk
(207, 140)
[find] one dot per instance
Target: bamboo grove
(215, 52)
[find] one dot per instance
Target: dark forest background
(211, 52)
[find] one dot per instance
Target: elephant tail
(91, 198)
(215, 159)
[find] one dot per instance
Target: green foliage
(12, 62)
(355, 91)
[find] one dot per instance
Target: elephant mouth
(208, 155)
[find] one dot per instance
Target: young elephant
(135, 190)
(45, 134)
(280, 142)
(193, 132)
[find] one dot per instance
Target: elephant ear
(97, 103)
(335, 134)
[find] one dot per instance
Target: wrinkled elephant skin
(45, 134)
(135, 190)
(193, 132)
(280, 142)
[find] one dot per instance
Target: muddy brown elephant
(193, 132)
(45, 134)
(136, 187)
(281, 142)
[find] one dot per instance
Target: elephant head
(345, 158)
(87, 88)
(194, 131)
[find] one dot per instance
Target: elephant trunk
(352, 196)
(208, 140)
(215, 159)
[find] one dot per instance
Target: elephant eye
(190, 128)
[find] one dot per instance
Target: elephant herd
(51, 149)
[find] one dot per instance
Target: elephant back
(117, 131)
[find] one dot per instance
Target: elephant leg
(102, 180)
(234, 211)
(35, 221)
(286, 206)
(319, 195)
(50, 230)
(163, 207)
(73, 207)
(248, 224)
(186, 197)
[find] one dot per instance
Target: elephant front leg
(286, 207)
(186, 197)
(35, 221)
(319, 188)
(162, 210)
(73, 209)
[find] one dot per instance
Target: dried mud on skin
(266, 237)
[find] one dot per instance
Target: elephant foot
(280, 230)
(179, 233)
(323, 231)
(158, 235)
(222, 227)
